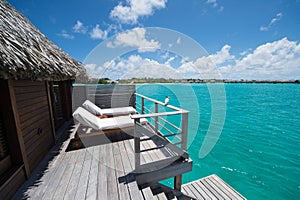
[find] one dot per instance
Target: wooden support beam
(137, 148)
(178, 182)
(18, 126)
(50, 110)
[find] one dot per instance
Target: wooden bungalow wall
(30, 126)
(35, 120)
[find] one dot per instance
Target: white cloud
(202, 67)
(145, 67)
(133, 66)
(222, 56)
(79, 27)
(170, 60)
(278, 60)
(135, 38)
(215, 4)
(272, 22)
(66, 35)
(97, 33)
(130, 13)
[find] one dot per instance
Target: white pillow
(86, 118)
(92, 107)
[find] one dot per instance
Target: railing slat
(156, 117)
(143, 105)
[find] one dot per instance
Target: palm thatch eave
(26, 53)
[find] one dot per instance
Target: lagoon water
(258, 150)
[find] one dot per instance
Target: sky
(228, 39)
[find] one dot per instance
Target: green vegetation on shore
(163, 80)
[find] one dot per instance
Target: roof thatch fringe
(26, 53)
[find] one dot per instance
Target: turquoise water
(258, 151)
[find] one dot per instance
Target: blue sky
(257, 39)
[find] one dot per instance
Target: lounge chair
(91, 107)
(88, 119)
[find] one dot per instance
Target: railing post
(184, 128)
(178, 182)
(143, 104)
(156, 118)
(137, 146)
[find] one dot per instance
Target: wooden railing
(180, 133)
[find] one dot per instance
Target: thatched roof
(26, 53)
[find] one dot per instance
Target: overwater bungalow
(44, 155)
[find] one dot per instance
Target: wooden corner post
(184, 128)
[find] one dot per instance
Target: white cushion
(88, 119)
(107, 111)
(92, 107)
(118, 111)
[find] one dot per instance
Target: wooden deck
(210, 187)
(104, 171)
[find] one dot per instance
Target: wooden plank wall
(35, 122)
(105, 96)
(16, 175)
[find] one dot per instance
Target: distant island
(163, 80)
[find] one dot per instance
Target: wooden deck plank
(131, 146)
(221, 188)
(102, 175)
(38, 190)
(216, 189)
(93, 180)
(74, 181)
(112, 187)
(161, 196)
(211, 187)
(147, 194)
(155, 154)
(149, 156)
(53, 184)
(122, 188)
(62, 187)
(192, 193)
(128, 164)
(195, 191)
(227, 187)
(84, 175)
(204, 191)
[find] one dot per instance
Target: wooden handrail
(161, 103)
